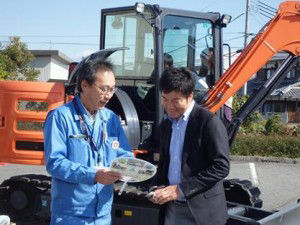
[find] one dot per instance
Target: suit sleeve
(57, 164)
(215, 144)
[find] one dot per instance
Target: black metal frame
(260, 96)
(157, 21)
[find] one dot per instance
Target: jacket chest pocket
(79, 151)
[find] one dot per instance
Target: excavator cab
(147, 33)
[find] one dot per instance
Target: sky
(73, 26)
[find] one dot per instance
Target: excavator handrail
(267, 43)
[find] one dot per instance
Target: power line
(265, 10)
(237, 17)
(55, 43)
(260, 19)
(269, 7)
(234, 38)
(54, 36)
(249, 33)
(237, 32)
(265, 14)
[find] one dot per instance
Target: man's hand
(166, 194)
(104, 176)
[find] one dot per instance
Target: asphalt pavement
(279, 182)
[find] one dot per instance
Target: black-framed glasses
(106, 89)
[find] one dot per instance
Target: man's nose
(169, 106)
(107, 95)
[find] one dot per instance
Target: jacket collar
(103, 113)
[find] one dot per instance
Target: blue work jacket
(71, 160)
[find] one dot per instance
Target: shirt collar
(88, 113)
(91, 117)
(188, 111)
(84, 110)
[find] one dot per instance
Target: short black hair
(168, 59)
(177, 79)
(89, 69)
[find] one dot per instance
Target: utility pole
(246, 22)
(244, 88)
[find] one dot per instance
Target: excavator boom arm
(282, 33)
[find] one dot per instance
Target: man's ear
(83, 84)
(191, 96)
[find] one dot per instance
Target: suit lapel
(192, 123)
(167, 134)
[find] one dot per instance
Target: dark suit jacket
(205, 162)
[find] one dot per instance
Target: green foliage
(274, 125)
(3, 73)
(254, 123)
(260, 137)
(277, 146)
(296, 130)
(238, 102)
(15, 62)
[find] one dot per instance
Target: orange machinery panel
(23, 108)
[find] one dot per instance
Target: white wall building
(52, 64)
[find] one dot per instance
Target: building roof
(290, 92)
(279, 56)
(54, 53)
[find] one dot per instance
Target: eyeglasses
(106, 89)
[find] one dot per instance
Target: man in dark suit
(193, 156)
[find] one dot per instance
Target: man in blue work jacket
(82, 138)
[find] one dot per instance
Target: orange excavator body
(21, 120)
